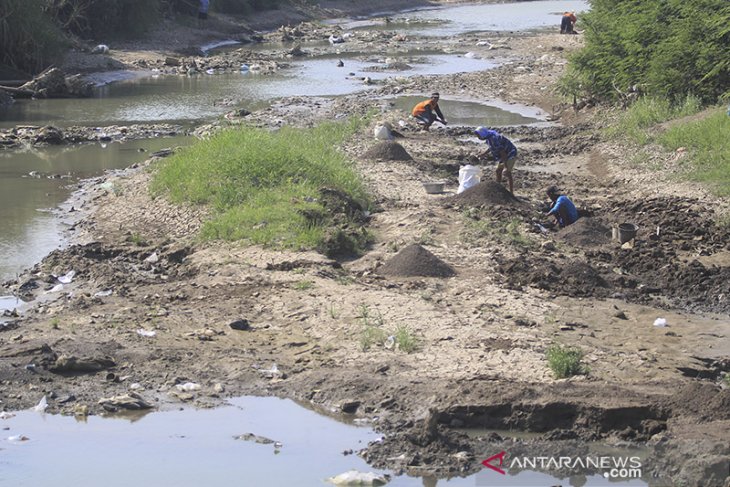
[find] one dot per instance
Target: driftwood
(18, 92)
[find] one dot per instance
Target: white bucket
(468, 176)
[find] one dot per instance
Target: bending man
(424, 112)
(503, 151)
(563, 209)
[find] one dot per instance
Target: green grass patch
(264, 187)
(405, 340)
(565, 361)
(708, 147)
(646, 113)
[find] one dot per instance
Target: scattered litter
(55, 289)
(103, 294)
(390, 342)
(136, 387)
(660, 322)
(17, 438)
(41, 406)
(146, 333)
(188, 387)
(152, 259)
(127, 401)
(471, 55)
(67, 278)
(6, 415)
(100, 49)
(244, 67)
(353, 477)
(272, 372)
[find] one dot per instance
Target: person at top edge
(427, 112)
(567, 23)
(563, 209)
(503, 151)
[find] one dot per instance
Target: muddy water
(459, 112)
(198, 448)
(445, 22)
(34, 182)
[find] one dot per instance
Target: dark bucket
(626, 232)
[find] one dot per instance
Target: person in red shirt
(427, 112)
(567, 23)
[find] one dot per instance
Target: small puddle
(9, 303)
(474, 113)
(34, 181)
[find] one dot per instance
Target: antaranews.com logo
(611, 467)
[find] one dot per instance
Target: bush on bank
(266, 187)
(666, 48)
(29, 40)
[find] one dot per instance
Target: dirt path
(223, 315)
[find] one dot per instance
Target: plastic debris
(146, 333)
(188, 387)
(272, 372)
(152, 259)
(103, 294)
(41, 406)
(390, 342)
(55, 289)
(353, 477)
(67, 278)
(17, 438)
(6, 415)
(244, 67)
(660, 322)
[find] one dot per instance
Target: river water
(197, 447)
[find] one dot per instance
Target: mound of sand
(414, 260)
(388, 151)
(586, 232)
(486, 193)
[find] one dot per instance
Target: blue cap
(482, 132)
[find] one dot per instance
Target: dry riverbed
(150, 308)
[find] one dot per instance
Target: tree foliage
(28, 38)
(667, 48)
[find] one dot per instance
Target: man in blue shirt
(563, 209)
(503, 151)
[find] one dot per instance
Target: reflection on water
(34, 180)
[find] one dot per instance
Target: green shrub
(266, 187)
(648, 112)
(565, 361)
(668, 48)
(29, 41)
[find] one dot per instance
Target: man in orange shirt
(567, 23)
(424, 112)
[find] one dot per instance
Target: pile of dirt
(586, 232)
(388, 151)
(577, 279)
(486, 193)
(702, 400)
(413, 261)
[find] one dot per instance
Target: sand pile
(388, 151)
(586, 232)
(486, 193)
(414, 260)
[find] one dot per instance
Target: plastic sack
(382, 132)
(468, 176)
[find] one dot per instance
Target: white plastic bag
(382, 132)
(468, 176)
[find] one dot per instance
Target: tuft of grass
(565, 361)
(303, 285)
(332, 310)
(371, 336)
(262, 186)
(477, 229)
(405, 340)
(137, 240)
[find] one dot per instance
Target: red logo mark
(499, 456)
